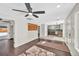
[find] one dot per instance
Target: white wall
(32, 35)
(22, 35)
(46, 29)
(43, 30)
(76, 41)
(70, 30)
(20, 32)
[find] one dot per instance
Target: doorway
(55, 30)
(38, 31)
(6, 29)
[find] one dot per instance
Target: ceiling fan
(30, 12)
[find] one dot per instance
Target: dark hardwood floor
(59, 48)
(7, 47)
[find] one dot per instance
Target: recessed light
(58, 6)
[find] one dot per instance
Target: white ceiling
(51, 11)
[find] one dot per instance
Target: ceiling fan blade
(26, 15)
(28, 7)
(39, 12)
(20, 10)
(35, 16)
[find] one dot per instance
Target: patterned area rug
(37, 51)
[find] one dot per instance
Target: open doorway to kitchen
(55, 30)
